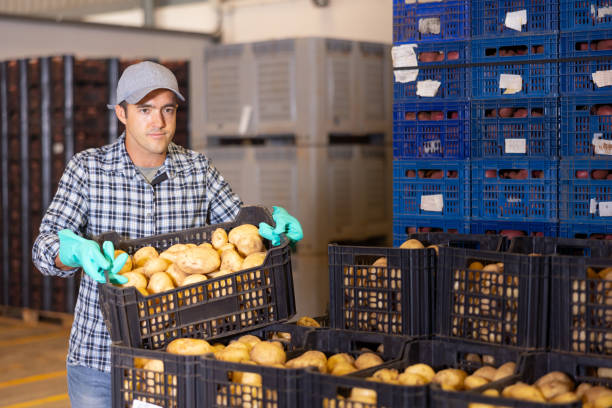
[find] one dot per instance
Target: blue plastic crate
(453, 80)
(580, 198)
(539, 79)
(488, 17)
(497, 136)
(576, 77)
(498, 197)
(404, 226)
(583, 15)
(417, 181)
(569, 229)
(452, 18)
(447, 138)
(502, 227)
(581, 125)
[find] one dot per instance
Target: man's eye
(144, 110)
(170, 110)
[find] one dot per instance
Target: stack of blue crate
(431, 129)
(585, 74)
(514, 147)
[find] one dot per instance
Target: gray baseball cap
(139, 79)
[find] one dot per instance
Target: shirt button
(148, 214)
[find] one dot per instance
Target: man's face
(149, 127)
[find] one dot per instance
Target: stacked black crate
(430, 118)
(585, 70)
(514, 143)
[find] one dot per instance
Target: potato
(249, 340)
(237, 232)
(582, 389)
(520, 113)
(364, 395)
(605, 401)
(486, 372)
(604, 45)
(193, 278)
(474, 381)
(555, 376)
(199, 260)
(225, 247)
(523, 392)
(594, 393)
(386, 374)
(452, 55)
(450, 379)
(564, 398)
(135, 279)
(154, 265)
(366, 360)
(490, 173)
(160, 282)
(338, 359)
(218, 238)
(128, 264)
(342, 368)
(204, 245)
(310, 358)
(476, 265)
(154, 365)
(604, 110)
(189, 347)
(176, 274)
(410, 116)
(423, 370)
(605, 372)
(429, 56)
(504, 371)
(217, 274)
(412, 244)
(437, 115)
(231, 260)
(423, 116)
(411, 379)
(599, 174)
(554, 388)
(172, 253)
(249, 244)
(144, 254)
(435, 248)
(143, 291)
(268, 353)
(492, 268)
(253, 260)
(506, 112)
(307, 322)
(233, 354)
(454, 115)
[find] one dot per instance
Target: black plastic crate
(398, 298)
(217, 307)
(533, 366)
(507, 308)
(580, 306)
(284, 387)
(438, 354)
(560, 246)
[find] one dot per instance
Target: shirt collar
(118, 160)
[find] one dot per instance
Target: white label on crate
(601, 146)
(432, 202)
(516, 19)
(432, 146)
(602, 78)
(245, 118)
(427, 88)
(516, 146)
(593, 206)
(142, 404)
(511, 83)
(429, 25)
(514, 200)
(404, 56)
(604, 12)
(605, 209)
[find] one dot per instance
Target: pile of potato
(510, 112)
(556, 388)
(599, 285)
(373, 284)
(431, 115)
(602, 174)
(185, 264)
(449, 379)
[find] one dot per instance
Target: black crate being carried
(216, 307)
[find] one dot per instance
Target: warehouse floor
(33, 364)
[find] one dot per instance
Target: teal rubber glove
(76, 251)
(285, 224)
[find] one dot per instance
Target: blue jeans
(88, 387)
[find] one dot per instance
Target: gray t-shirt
(148, 172)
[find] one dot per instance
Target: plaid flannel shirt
(101, 190)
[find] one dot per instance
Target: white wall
(255, 20)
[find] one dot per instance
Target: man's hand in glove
(76, 251)
(285, 224)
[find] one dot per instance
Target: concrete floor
(33, 364)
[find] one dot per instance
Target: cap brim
(137, 96)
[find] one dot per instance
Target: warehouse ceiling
(76, 9)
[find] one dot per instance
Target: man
(140, 185)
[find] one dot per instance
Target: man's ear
(120, 114)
